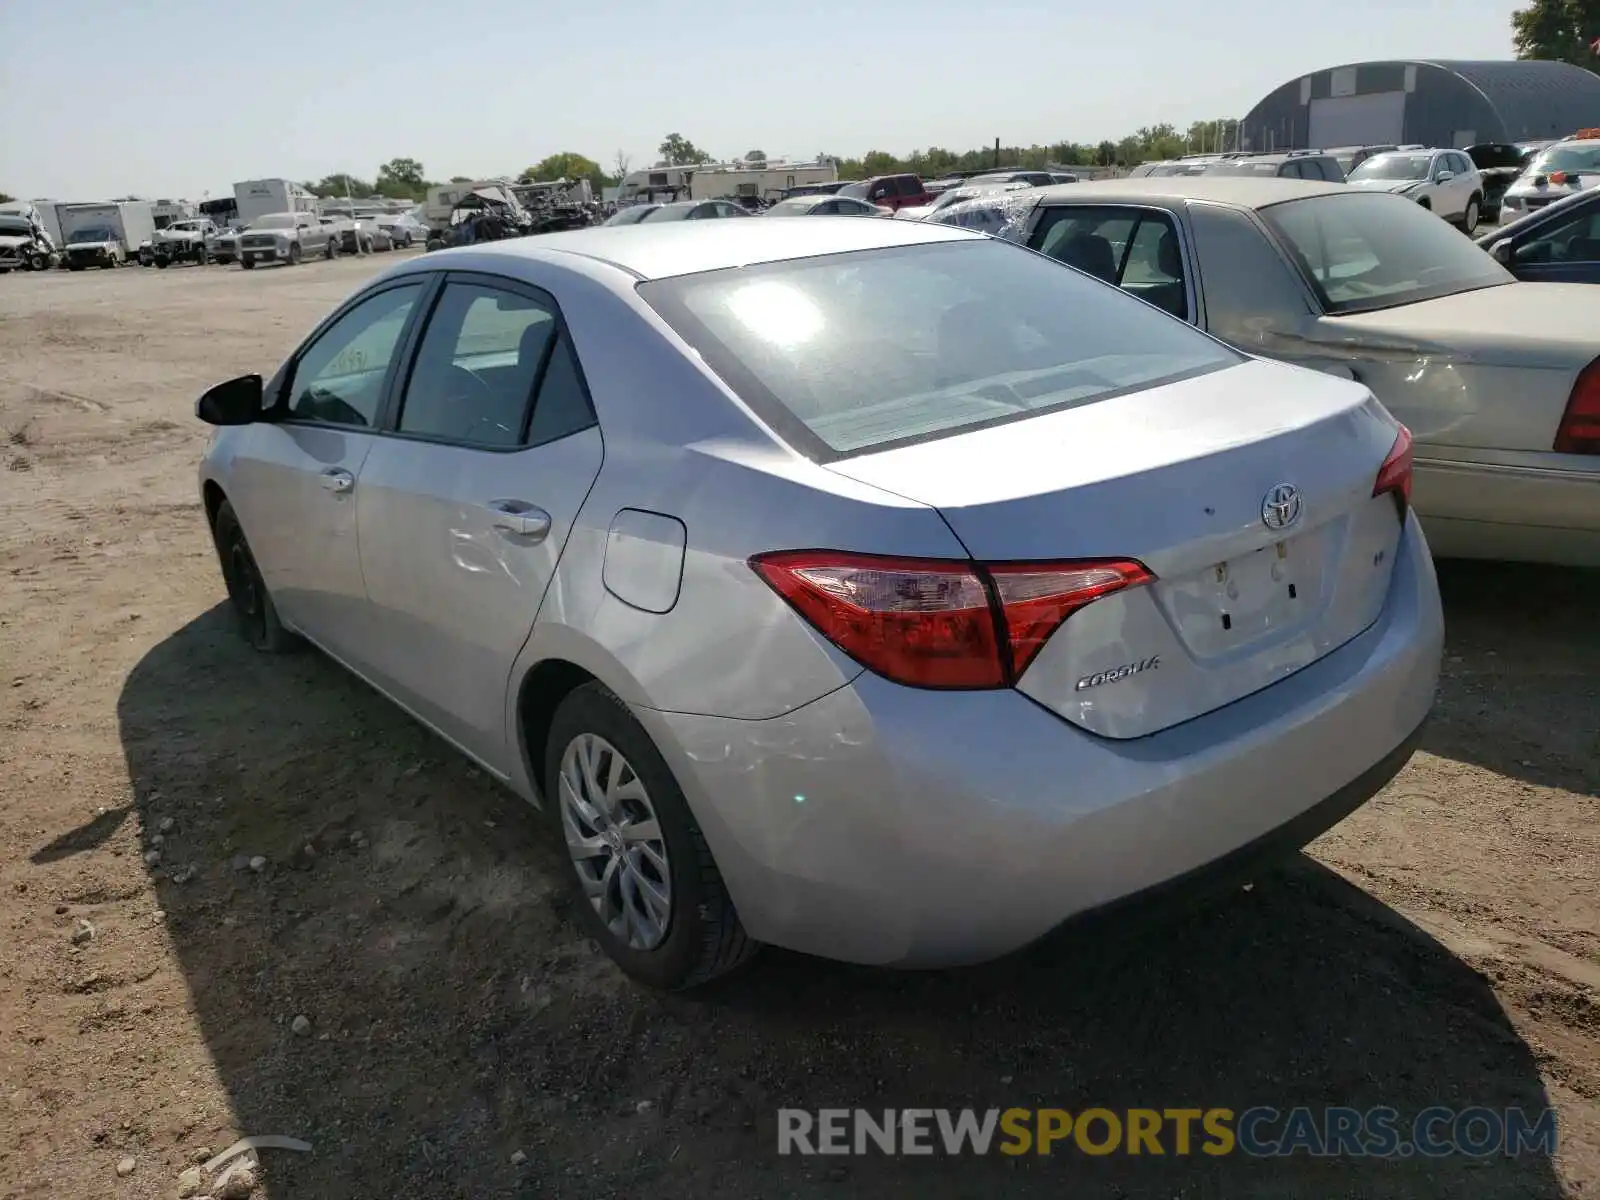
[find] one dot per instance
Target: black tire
(1470, 218)
(1425, 203)
(249, 264)
(704, 937)
(332, 250)
(74, 266)
(163, 262)
(252, 604)
(294, 254)
(38, 262)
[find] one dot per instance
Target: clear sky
(177, 97)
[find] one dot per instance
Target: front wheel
(38, 262)
(332, 249)
(294, 254)
(1469, 219)
(249, 264)
(253, 609)
(648, 889)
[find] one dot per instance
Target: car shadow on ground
(1520, 690)
(412, 912)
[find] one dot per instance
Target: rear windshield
(847, 353)
(1370, 250)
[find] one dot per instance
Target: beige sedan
(1499, 381)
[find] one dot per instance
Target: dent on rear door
(453, 587)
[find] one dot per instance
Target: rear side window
(854, 352)
(484, 350)
(1136, 249)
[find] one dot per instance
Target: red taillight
(1579, 432)
(1394, 477)
(938, 623)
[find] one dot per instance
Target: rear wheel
(252, 605)
(647, 887)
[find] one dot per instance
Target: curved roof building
(1431, 103)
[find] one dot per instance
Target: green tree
(1105, 153)
(1558, 30)
(403, 170)
(340, 184)
(569, 165)
(6, 198)
(402, 178)
(620, 162)
(679, 151)
(460, 179)
(755, 156)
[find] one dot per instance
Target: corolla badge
(1280, 507)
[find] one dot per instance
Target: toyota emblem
(1280, 507)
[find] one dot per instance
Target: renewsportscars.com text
(1258, 1132)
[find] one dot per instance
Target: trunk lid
(1512, 324)
(1178, 477)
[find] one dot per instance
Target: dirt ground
(1441, 946)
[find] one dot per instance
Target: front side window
(1369, 250)
(847, 353)
(476, 367)
(1573, 240)
(339, 378)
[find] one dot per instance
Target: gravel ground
(242, 895)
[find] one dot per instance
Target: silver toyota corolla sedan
(871, 588)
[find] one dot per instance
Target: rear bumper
(883, 824)
(1517, 513)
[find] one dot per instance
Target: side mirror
(1501, 252)
(1445, 176)
(237, 402)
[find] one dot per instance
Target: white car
(1558, 170)
(1442, 180)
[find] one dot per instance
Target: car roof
(1242, 190)
(664, 249)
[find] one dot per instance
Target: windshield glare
(1393, 166)
(854, 352)
(274, 221)
(1571, 159)
(668, 212)
(1372, 250)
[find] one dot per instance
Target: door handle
(519, 518)
(336, 480)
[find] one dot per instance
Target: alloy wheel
(615, 842)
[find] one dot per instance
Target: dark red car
(891, 191)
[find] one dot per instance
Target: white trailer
(259, 197)
(720, 181)
(655, 184)
(130, 221)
